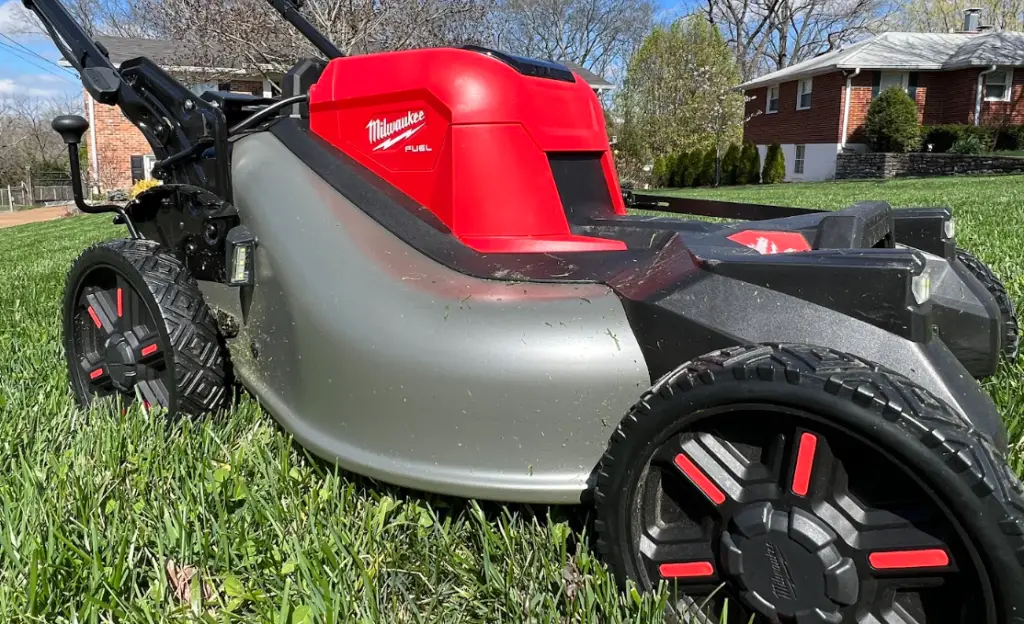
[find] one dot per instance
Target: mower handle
(289, 10)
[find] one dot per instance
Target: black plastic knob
(70, 127)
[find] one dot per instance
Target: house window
(773, 99)
(803, 97)
(798, 162)
(893, 79)
(997, 85)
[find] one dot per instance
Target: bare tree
(773, 34)
(26, 138)
(248, 33)
(599, 35)
(943, 16)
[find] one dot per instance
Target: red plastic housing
(467, 136)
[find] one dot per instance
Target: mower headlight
(949, 228)
(240, 248)
(921, 287)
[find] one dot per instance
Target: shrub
(969, 144)
(672, 171)
(706, 176)
(749, 169)
(659, 173)
(774, 165)
(730, 162)
(942, 137)
(142, 185)
(891, 124)
(693, 163)
(1008, 138)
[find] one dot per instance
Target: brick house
(816, 109)
(119, 155)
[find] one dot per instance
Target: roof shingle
(908, 51)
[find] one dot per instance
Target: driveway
(34, 215)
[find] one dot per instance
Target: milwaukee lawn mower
(422, 264)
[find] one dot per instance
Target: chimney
(972, 18)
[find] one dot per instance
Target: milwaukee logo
(782, 580)
(385, 133)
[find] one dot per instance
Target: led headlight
(949, 228)
(240, 249)
(921, 287)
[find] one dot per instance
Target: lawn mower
(423, 265)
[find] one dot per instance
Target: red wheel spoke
(95, 372)
(806, 449)
(687, 570)
(904, 560)
(101, 311)
(699, 478)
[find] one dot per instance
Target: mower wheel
(136, 326)
(1010, 345)
(801, 484)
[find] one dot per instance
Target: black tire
(880, 419)
(1010, 338)
(136, 324)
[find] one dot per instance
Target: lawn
(106, 517)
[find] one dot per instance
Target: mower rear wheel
(136, 326)
(1010, 338)
(805, 485)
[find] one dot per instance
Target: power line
(12, 50)
(36, 54)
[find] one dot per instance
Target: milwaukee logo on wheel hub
(385, 133)
(782, 579)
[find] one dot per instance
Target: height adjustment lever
(71, 128)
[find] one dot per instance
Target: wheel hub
(121, 364)
(787, 566)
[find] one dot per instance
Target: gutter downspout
(93, 155)
(846, 106)
(977, 99)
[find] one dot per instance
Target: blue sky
(28, 63)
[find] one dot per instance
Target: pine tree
(730, 162)
(659, 172)
(749, 169)
(774, 165)
(707, 168)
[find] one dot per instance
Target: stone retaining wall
(921, 164)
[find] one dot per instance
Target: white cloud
(28, 86)
(15, 19)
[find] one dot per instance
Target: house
(816, 109)
(119, 155)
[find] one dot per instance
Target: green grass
(98, 511)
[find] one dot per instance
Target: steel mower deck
(422, 264)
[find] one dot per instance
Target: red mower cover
(471, 137)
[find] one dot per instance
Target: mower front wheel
(805, 485)
(136, 326)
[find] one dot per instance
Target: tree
(677, 94)
(598, 35)
(772, 34)
(944, 16)
(730, 163)
(250, 34)
(749, 169)
(692, 167)
(706, 177)
(774, 165)
(891, 124)
(660, 171)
